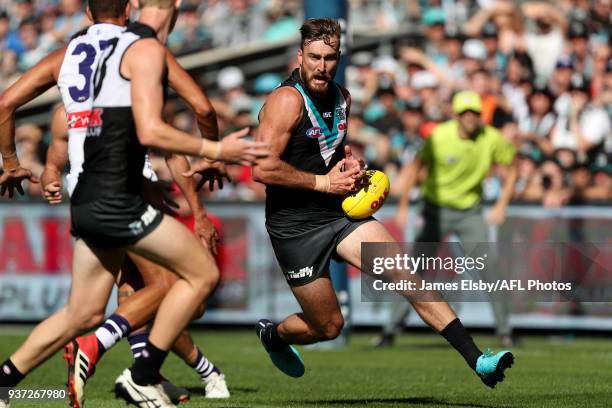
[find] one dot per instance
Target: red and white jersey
(76, 83)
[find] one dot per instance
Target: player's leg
(431, 232)
(92, 268)
(211, 376)
(320, 319)
(171, 245)
(437, 314)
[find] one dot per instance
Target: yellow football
(368, 199)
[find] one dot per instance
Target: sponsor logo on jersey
(137, 227)
(302, 273)
(314, 132)
(340, 113)
(327, 115)
(85, 119)
(342, 126)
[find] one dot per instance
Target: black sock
(145, 370)
(461, 340)
(276, 343)
(9, 378)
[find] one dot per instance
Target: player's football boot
(81, 356)
(215, 386)
(285, 358)
(176, 394)
(490, 366)
(143, 396)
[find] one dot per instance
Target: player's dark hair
(316, 29)
(107, 8)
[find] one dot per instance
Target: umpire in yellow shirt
(458, 156)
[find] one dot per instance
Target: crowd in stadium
(542, 69)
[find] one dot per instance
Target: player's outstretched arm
(204, 228)
(188, 89)
(144, 64)
(57, 157)
(30, 85)
(278, 119)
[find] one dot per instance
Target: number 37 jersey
(76, 83)
(113, 155)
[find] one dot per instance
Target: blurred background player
(457, 156)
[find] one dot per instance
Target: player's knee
(207, 281)
(331, 328)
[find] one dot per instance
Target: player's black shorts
(304, 257)
(115, 222)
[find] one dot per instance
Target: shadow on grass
(412, 401)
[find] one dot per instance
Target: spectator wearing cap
(263, 86)
(434, 20)
(425, 84)
(412, 119)
(361, 78)
(584, 127)
(578, 36)
(495, 60)
(453, 44)
(233, 98)
(458, 156)
(560, 84)
(536, 128)
(475, 54)
(529, 182)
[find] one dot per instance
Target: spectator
(240, 22)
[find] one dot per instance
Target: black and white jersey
(113, 155)
(75, 83)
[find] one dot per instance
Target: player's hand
(237, 150)
(10, 180)
(351, 162)
(401, 217)
(497, 215)
(159, 195)
(211, 172)
(207, 233)
(342, 182)
(53, 192)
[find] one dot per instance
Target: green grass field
(421, 371)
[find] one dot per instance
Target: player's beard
(311, 82)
